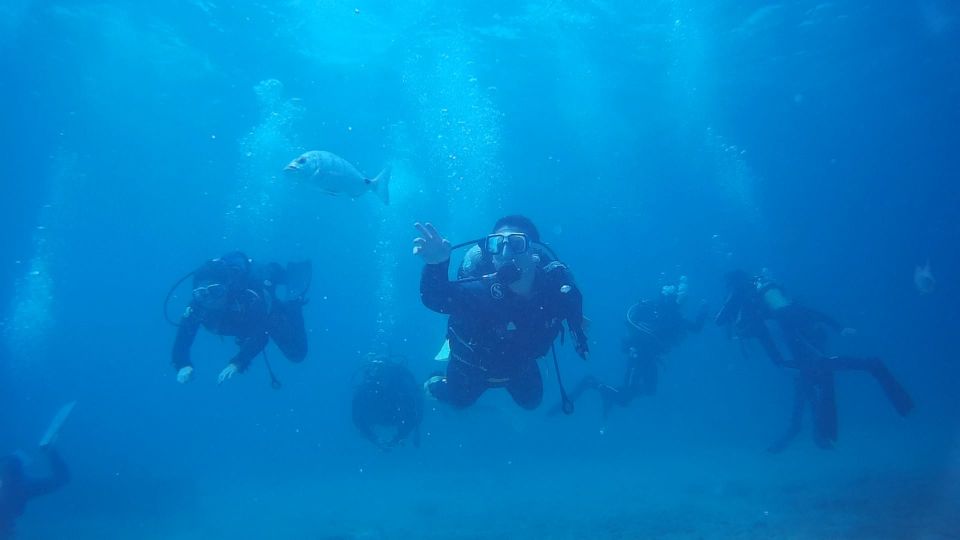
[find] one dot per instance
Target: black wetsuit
(16, 489)
(253, 316)
(388, 395)
(496, 335)
(804, 334)
(653, 329)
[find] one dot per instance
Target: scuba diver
(17, 487)
(235, 296)
(752, 301)
(504, 315)
(654, 327)
(387, 396)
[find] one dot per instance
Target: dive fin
(299, 277)
(895, 392)
(444, 354)
(824, 405)
(51, 435)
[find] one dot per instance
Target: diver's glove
(185, 374)
(227, 373)
(581, 346)
(431, 245)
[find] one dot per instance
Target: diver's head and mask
(511, 248)
(220, 279)
(513, 251)
(512, 255)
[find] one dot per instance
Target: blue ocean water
(647, 140)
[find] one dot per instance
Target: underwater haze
(647, 140)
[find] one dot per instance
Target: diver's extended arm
(574, 315)
(730, 309)
(570, 301)
(186, 333)
(440, 294)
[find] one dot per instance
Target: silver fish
(334, 175)
(923, 279)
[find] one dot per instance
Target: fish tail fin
(380, 185)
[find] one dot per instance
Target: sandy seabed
(806, 494)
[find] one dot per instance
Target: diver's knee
(530, 403)
(297, 355)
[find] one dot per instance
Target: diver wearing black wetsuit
(803, 331)
(654, 327)
(16, 488)
(804, 334)
(388, 396)
(233, 296)
(496, 333)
